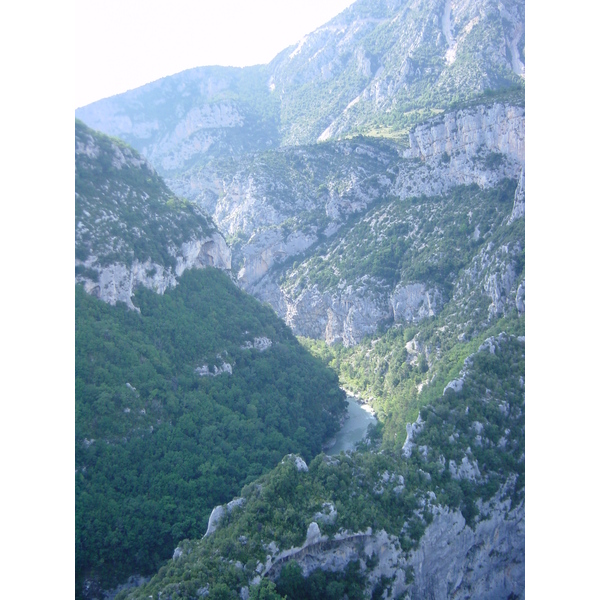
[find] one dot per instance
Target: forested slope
(160, 440)
(443, 517)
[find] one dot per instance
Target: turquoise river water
(354, 429)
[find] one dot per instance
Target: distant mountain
(377, 69)
(382, 66)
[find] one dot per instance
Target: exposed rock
(455, 384)
(265, 249)
(488, 345)
(477, 426)
(236, 503)
(518, 210)
(467, 470)
(299, 463)
(414, 302)
(213, 521)
(412, 429)
(520, 298)
(219, 511)
(204, 371)
(499, 128)
(117, 282)
(452, 560)
(113, 214)
(313, 534)
(132, 582)
(262, 343)
(455, 561)
(328, 515)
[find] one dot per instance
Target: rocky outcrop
(456, 561)
(453, 560)
(130, 230)
(218, 512)
(348, 314)
(204, 370)
(117, 282)
(498, 128)
(413, 302)
(518, 210)
(267, 248)
(412, 430)
(496, 272)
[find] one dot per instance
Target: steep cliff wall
(283, 205)
(453, 560)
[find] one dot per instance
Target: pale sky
(122, 44)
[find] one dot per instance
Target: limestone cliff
(273, 211)
(453, 560)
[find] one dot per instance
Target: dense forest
(480, 427)
(159, 441)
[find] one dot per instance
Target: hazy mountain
(378, 68)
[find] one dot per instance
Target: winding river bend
(354, 429)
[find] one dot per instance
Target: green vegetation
(427, 239)
(483, 423)
(178, 411)
(321, 585)
(157, 446)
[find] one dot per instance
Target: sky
(123, 45)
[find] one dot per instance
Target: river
(354, 429)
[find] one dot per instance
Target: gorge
(248, 240)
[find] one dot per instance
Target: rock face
(479, 146)
(518, 211)
(265, 249)
(414, 302)
(412, 429)
(499, 128)
(346, 315)
(455, 561)
(117, 282)
(130, 230)
(180, 120)
(218, 512)
(452, 560)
